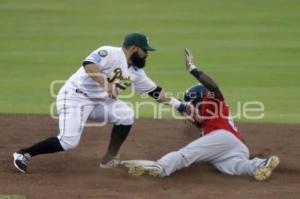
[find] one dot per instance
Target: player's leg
(203, 149)
(122, 116)
(72, 116)
(260, 169)
(72, 119)
(22, 156)
(237, 162)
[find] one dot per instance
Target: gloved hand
(182, 108)
(187, 110)
(189, 62)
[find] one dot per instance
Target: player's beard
(138, 61)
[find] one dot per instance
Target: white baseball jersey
(114, 65)
(74, 108)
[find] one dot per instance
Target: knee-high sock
(119, 134)
(49, 145)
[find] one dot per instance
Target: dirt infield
(76, 174)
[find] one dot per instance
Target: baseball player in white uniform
(221, 143)
(91, 93)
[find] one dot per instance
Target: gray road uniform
(221, 143)
(82, 98)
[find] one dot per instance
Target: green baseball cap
(139, 40)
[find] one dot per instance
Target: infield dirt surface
(76, 174)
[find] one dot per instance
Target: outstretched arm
(203, 78)
(162, 96)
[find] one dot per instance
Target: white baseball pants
(75, 109)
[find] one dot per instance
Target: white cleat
(265, 171)
(21, 161)
(111, 164)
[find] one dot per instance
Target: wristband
(191, 67)
(196, 73)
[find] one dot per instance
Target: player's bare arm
(203, 78)
(93, 70)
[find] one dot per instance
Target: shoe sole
(139, 170)
(110, 165)
(265, 172)
(136, 170)
(154, 172)
(16, 166)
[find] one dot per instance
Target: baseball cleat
(265, 171)
(21, 161)
(110, 164)
(152, 170)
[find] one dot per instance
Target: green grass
(250, 48)
(12, 197)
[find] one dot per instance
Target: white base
(131, 163)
